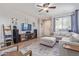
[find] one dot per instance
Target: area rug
(40, 50)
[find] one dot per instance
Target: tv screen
(26, 27)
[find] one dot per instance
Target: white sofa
(48, 41)
(63, 33)
(74, 40)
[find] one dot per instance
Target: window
(66, 23)
(63, 23)
(58, 24)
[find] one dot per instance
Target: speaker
(15, 35)
(35, 32)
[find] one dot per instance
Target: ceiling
(30, 9)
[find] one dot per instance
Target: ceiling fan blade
(40, 10)
(52, 7)
(45, 4)
(39, 6)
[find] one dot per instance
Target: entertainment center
(28, 34)
(19, 34)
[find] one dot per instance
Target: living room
(39, 29)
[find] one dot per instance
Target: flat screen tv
(26, 27)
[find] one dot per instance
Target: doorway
(46, 27)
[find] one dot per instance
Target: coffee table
(71, 47)
(17, 52)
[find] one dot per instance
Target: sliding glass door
(63, 23)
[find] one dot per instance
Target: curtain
(54, 24)
(74, 22)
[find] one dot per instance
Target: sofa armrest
(67, 52)
(69, 42)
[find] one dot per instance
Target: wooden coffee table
(18, 53)
(14, 53)
(71, 47)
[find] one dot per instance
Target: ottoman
(48, 41)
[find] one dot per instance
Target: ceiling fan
(46, 7)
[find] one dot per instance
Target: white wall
(28, 20)
(7, 21)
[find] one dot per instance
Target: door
(46, 28)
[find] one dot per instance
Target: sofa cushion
(63, 33)
(75, 35)
(75, 40)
